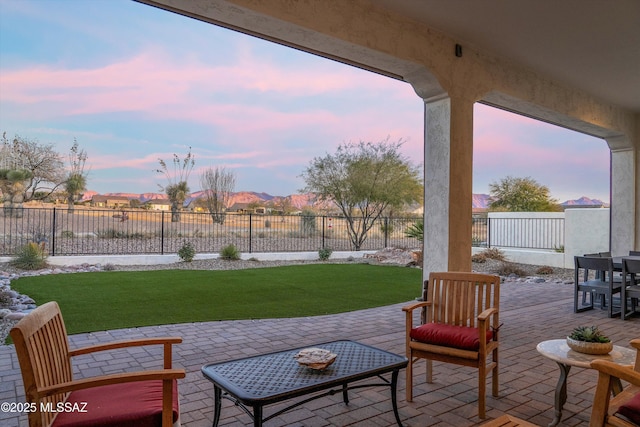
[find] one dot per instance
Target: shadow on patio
(531, 313)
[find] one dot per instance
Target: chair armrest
(635, 343)
(102, 380)
(488, 312)
(611, 369)
(410, 307)
(125, 343)
(166, 341)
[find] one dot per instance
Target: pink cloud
(156, 84)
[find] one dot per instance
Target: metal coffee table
(257, 381)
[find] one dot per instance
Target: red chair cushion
(133, 404)
(462, 337)
(631, 409)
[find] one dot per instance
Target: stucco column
(448, 169)
(624, 200)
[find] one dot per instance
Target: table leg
(345, 394)
(257, 415)
(394, 400)
(561, 393)
(217, 405)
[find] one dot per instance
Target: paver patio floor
(530, 312)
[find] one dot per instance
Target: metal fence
(87, 231)
(526, 233)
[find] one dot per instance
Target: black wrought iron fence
(87, 231)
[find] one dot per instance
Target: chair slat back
(458, 298)
(42, 348)
(596, 264)
(631, 266)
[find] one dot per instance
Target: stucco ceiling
(593, 45)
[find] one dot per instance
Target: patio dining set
(456, 322)
(611, 282)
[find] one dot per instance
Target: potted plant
(589, 340)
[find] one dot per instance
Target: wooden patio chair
(459, 325)
(623, 410)
(603, 284)
(146, 398)
(631, 293)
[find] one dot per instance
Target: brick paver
(531, 313)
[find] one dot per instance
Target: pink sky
(131, 94)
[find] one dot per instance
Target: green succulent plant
(588, 334)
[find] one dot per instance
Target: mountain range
(300, 201)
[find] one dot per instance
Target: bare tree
(76, 181)
(177, 190)
(43, 165)
(217, 184)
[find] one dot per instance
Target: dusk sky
(133, 84)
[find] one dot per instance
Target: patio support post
(448, 166)
(625, 194)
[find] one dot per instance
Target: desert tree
(177, 188)
(76, 181)
(363, 180)
(217, 184)
(29, 170)
(513, 194)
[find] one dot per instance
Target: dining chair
(460, 326)
(603, 285)
(630, 294)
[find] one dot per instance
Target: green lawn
(114, 300)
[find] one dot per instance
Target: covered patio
(527, 379)
(564, 64)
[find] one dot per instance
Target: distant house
(111, 202)
(158, 205)
(244, 208)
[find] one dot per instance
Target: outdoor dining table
(617, 261)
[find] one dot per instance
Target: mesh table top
(277, 376)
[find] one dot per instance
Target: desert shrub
(308, 223)
(109, 233)
(416, 230)
(187, 252)
(30, 257)
(479, 258)
(5, 298)
(68, 234)
(545, 269)
(508, 268)
(387, 228)
(109, 267)
(230, 252)
(324, 253)
(559, 249)
(267, 223)
(494, 253)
